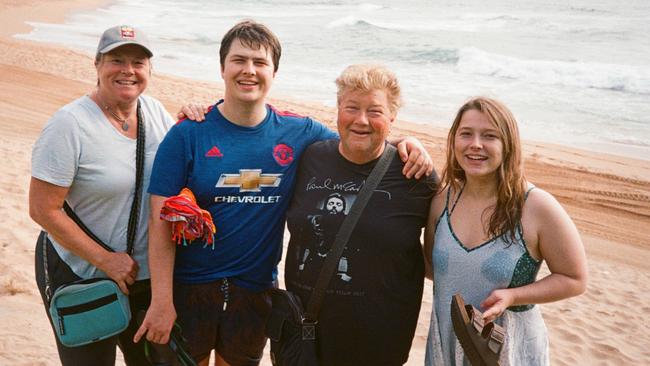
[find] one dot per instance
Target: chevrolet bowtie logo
(249, 180)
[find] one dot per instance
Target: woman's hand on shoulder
(193, 111)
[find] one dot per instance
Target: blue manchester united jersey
(245, 177)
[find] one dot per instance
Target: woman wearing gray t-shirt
(86, 155)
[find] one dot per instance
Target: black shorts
(235, 330)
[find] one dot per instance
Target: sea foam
(625, 78)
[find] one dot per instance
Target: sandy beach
(607, 196)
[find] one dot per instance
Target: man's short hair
(369, 77)
(253, 35)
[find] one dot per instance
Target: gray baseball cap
(122, 35)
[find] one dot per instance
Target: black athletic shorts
(235, 331)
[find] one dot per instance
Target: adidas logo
(213, 152)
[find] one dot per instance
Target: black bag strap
(139, 176)
(135, 205)
(343, 235)
(68, 210)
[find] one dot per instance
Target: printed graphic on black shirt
(371, 305)
(324, 224)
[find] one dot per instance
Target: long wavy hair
(511, 183)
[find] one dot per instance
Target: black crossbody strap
(68, 210)
(139, 176)
(343, 235)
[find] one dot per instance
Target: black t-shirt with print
(370, 311)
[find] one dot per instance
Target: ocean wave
(435, 55)
(467, 23)
(584, 9)
(414, 56)
(191, 39)
(360, 21)
(631, 141)
(493, 19)
(506, 17)
(370, 7)
(348, 21)
(624, 78)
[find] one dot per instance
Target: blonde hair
(366, 78)
(511, 182)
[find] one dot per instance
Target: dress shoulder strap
(528, 191)
(520, 227)
(450, 211)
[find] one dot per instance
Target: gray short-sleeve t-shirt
(79, 148)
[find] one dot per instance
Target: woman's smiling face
(124, 73)
(477, 145)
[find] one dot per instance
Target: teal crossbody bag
(88, 311)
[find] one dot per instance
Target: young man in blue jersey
(241, 165)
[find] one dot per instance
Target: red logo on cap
(127, 32)
(283, 154)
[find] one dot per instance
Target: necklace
(123, 121)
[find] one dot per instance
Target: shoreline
(16, 13)
(620, 149)
(607, 196)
